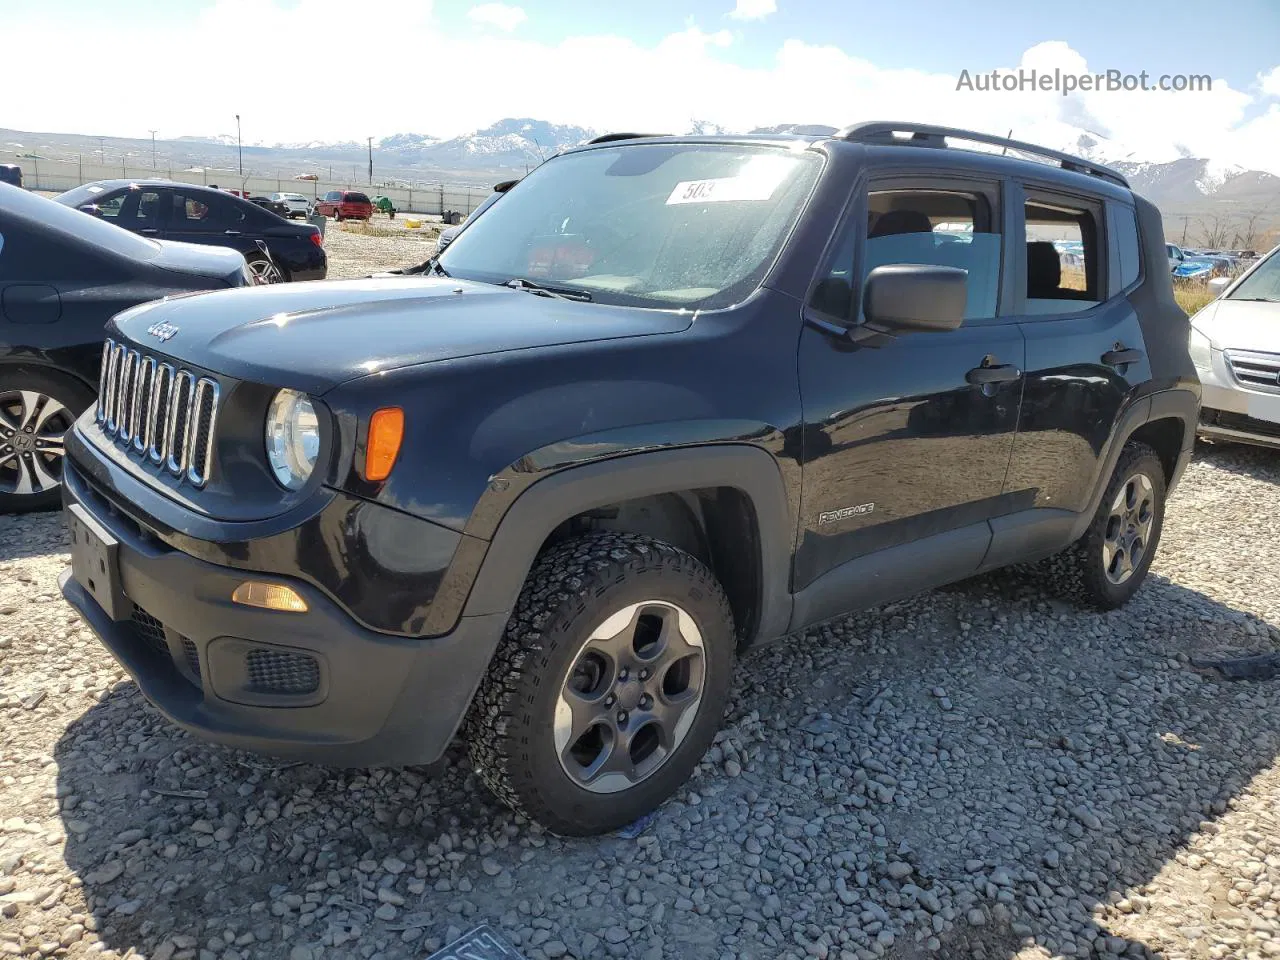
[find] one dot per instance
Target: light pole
(102, 150)
(239, 146)
(153, 149)
(370, 161)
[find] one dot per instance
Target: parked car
(1176, 255)
(275, 206)
(11, 173)
(62, 277)
(345, 205)
(1235, 343)
(545, 494)
(296, 203)
(448, 233)
(192, 214)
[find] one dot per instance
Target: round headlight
(293, 438)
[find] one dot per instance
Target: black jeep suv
(670, 398)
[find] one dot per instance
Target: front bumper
(1232, 411)
(310, 686)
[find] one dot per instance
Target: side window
(1064, 256)
(110, 208)
(203, 211)
(950, 228)
(144, 216)
(1124, 240)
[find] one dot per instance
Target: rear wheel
(36, 410)
(1106, 566)
(264, 270)
(608, 686)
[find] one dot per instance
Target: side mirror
(91, 209)
(1218, 284)
(915, 297)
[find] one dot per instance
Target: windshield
(672, 225)
(1263, 283)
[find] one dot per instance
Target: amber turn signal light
(386, 430)
(269, 596)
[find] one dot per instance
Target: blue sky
(450, 66)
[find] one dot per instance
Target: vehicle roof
(906, 154)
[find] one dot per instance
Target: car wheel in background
(263, 270)
(36, 410)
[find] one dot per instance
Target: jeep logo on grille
(162, 331)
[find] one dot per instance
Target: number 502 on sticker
(722, 190)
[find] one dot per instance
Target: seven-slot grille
(1259, 370)
(157, 410)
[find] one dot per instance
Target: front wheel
(36, 410)
(608, 686)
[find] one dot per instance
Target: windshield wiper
(1258, 299)
(560, 293)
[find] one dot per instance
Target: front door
(909, 440)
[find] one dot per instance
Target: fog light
(269, 596)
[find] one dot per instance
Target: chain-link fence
(428, 197)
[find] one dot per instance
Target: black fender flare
(1178, 403)
(552, 500)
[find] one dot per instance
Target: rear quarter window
(1125, 247)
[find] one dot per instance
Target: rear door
(910, 440)
(197, 216)
(1085, 353)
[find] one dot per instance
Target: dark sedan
(181, 211)
(62, 277)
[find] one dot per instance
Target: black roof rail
(611, 137)
(929, 135)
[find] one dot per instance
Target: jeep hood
(314, 336)
(1241, 325)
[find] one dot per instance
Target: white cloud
(1270, 82)
(500, 15)
(686, 74)
(754, 9)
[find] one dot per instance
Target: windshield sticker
(757, 180)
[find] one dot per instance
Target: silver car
(1235, 343)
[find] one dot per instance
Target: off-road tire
(1077, 573)
(571, 590)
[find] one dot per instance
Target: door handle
(149, 231)
(1120, 356)
(993, 373)
(231, 233)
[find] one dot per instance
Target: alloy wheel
(630, 696)
(32, 426)
(1129, 526)
(264, 271)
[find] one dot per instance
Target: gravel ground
(354, 254)
(983, 771)
(979, 772)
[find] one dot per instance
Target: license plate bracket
(95, 562)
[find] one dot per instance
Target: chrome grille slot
(178, 424)
(1258, 370)
(151, 408)
(128, 390)
(141, 407)
(160, 395)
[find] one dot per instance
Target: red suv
(345, 205)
